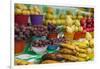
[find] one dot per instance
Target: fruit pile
(22, 32)
(80, 50)
(27, 10)
(52, 57)
(23, 62)
(73, 23)
(54, 34)
(57, 41)
(39, 30)
(88, 23)
(72, 52)
(78, 22)
(39, 43)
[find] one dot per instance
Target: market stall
(53, 34)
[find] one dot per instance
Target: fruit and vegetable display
(53, 34)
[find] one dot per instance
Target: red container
(21, 19)
(52, 35)
(79, 35)
(19, 46)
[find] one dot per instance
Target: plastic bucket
(21, 19)
(52, 47)
(79, 35)
(39, 38)
(69, 36)
(36, 19)
(19, 46)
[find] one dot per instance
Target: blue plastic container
(36, 19)
(52, 47)
(39, 38)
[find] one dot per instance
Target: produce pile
(48, 34)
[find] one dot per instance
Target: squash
(73, 27)
(69, 20)
(77, 22)
(76, 29)
(69, 29)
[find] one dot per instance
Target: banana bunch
(22, 62)
(77, 51)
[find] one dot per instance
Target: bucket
(69, 36)
(79, 35)
(19, 46)
(52, 47)
(36, 19)
(39, 38)
(21, 19)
